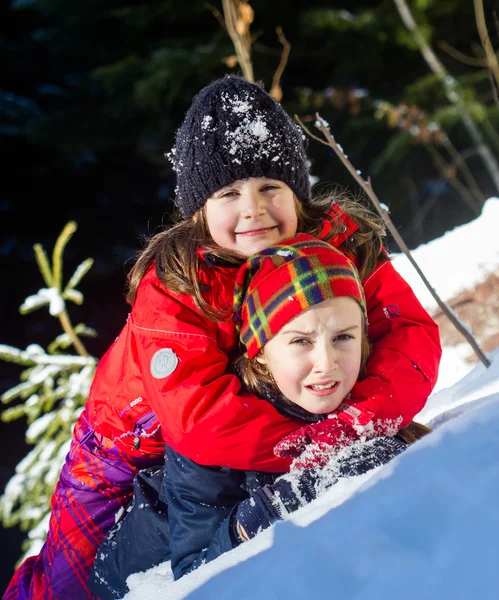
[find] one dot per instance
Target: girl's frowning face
(251, 215)
(315, 358)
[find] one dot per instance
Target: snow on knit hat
(235, 130)
(278, 283)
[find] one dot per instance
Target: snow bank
(427, 529)
(458, 260)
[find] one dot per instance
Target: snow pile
(453, 263)
(432, 513)
(458, 260)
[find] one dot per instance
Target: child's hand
(314, 444)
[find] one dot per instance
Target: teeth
(324, 387)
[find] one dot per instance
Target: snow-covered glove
(314, 444)
(271, 503)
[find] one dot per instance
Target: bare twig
(239, 34)
(446, 172)
(275, 90)
(491, 132)
(460, 163)
(492, 61)
(452, 90)
(216, 13)
(329, 140)
(493, 87)
(472, 61)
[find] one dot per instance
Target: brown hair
(175, 250)
(253, 373)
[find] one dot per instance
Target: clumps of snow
(251, 139)
(38, 427)
(284, 253)
(50, 296)
(240, 106)
(206, 122)
(249, 135)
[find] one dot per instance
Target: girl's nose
(253, 204)
(325, 360)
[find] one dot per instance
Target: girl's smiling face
(315, 358)
(251, 215)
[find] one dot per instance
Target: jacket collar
(347, 227)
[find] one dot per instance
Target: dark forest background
(91, 93)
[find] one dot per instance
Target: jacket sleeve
(205, 503)
(203, 412)
(200, 500)
(403, 367)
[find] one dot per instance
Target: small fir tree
(53, 389)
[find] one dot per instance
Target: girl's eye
(300, 341)
(229, 194)
(270, 187)
(343, 337)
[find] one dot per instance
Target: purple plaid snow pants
(96, 481)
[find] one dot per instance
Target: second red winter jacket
(167, 377)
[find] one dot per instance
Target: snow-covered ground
(426, 526)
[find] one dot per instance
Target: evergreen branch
(73, 295)
(44, 265)
(323, 127)
(58, 251)
(24, 389)
(63, 341)
(68, 329)
(20, 357)
(29, 358)
(80, 271)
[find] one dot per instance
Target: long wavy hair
(175, 250)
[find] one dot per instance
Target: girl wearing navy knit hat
(301, 316)
(242, 186)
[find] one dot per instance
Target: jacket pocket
(146, 426)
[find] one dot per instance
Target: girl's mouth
(323, 389)
(255, 232)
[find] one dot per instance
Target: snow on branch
(328, 140)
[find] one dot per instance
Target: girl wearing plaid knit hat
(301, 316)
(242, 186)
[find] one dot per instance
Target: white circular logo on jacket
(163, 363)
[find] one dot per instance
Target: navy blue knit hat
(235, 130)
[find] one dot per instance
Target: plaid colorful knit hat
(235, 130)
(278, 283)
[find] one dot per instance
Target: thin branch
(493, 87)
(462, 57)
(242, 44)
(323, 127)
(446, 171)
(275, 90)
(452, 90)
(491, 132)
(493, 63)
(460, 164)
(216, 13)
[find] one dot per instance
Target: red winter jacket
(167, 376)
